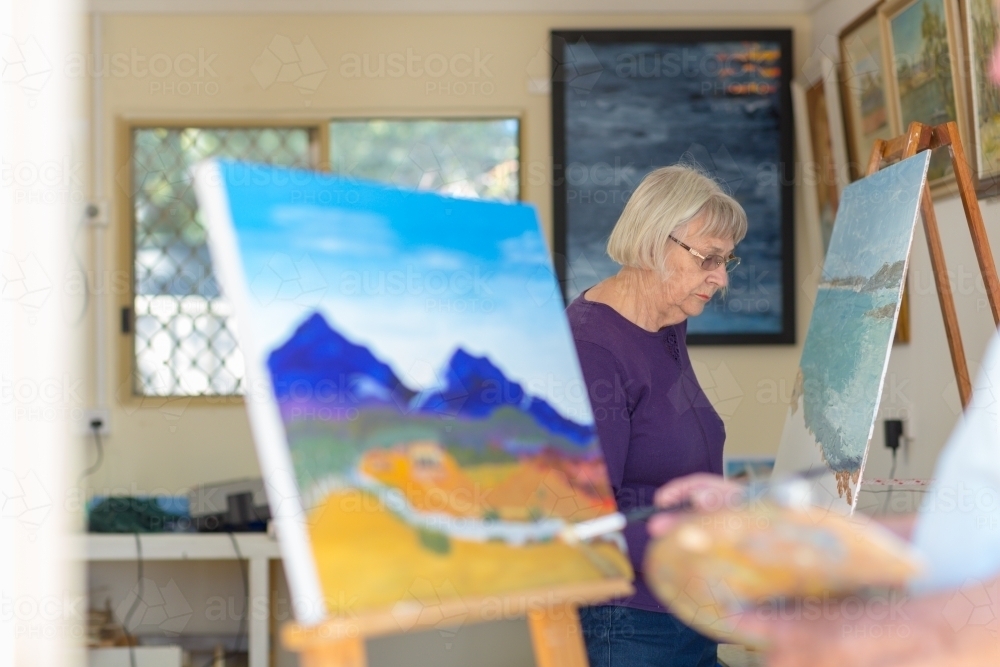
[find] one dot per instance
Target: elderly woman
(675, 242)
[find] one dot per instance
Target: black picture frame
(580, 97)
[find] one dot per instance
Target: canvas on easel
(846, 352)
(419, 412)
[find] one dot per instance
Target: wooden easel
(552, 616)
(920, 137)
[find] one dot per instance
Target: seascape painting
(863, 81)
(920, 34)
(846, 351)
(981, 39)
(414, 378)
(628, 102)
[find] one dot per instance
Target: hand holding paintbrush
(700, 492)
(713, 573)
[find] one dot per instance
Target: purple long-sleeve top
(653, 419)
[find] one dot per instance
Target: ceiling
(453, 6)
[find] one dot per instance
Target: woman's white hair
(666, 199)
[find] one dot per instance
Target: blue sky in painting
(906, 38)
(884, 202)
(412, 276)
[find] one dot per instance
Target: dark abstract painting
(627, 102)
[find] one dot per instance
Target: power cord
(893, 434)
(241, 633)
(892, 478)
(95, 428)
(135, 602)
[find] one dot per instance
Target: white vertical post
(39, 210)
(259, 613)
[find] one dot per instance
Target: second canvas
(846, 352)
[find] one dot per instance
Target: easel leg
(557, 637)
(344, 653)
(945, 298)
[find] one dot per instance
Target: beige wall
(166, 448)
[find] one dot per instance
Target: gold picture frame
(863, 93)
(824, 170)
(979, 36)
(926, 81)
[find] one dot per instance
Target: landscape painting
(627, 102)
(747, 469)
(981, 39)
(846, 352)
(863, 81)
(416, 397)
(921, 35)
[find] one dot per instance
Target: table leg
(260, 613)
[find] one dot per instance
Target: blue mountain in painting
(475, 388)
(318, 364)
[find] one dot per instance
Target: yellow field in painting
(370, 559)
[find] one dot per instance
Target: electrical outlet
(894, 433)
(96, 414)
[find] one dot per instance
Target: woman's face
(687, 286)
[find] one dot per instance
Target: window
(184, 330)
(476, 158)
(184, 338)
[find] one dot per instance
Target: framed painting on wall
(824, 170)
(863, 89)
(983, 95)
(925, 80)
(627, 102)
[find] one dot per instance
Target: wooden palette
(712, 569)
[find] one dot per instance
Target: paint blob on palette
(846, 351)
(417, 405)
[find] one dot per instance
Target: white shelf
(256, 548)
(177, 546)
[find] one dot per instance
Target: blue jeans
(624, 637)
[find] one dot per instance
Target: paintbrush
(787, 491)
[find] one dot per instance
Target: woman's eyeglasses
(712, 262)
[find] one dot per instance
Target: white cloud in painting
(528, 248)
(437, 258)
(337, 231)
